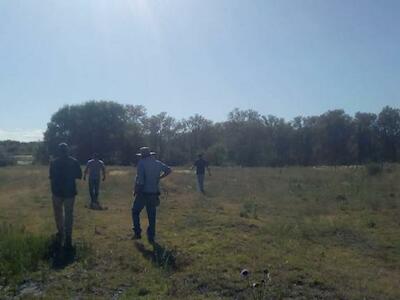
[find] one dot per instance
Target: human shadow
(159, 255)
(59, 256)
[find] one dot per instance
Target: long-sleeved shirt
(63, 173)
(148, 174)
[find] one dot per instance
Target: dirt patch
(183, 171)
(118, 173)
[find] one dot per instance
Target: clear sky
(286, 58)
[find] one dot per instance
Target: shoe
(136, 236)
(57, 241)
(151, 240)
(68, 243)
(58, 237)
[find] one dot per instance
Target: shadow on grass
(160, 256)
(60, 257)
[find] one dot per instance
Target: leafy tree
(246, 138)
(95, 126)
(5, 158)
(365, 135)
(389, 133)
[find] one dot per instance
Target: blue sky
(281, 57)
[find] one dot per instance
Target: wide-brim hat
(145, 152)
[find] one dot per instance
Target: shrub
(374, 169)
(6, 159)
(217, 154)
(249, 210)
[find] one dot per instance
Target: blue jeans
(150, 201)
(94, 185)
(200, 182)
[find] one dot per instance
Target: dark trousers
(63, 214)
(200, 183)
(94, 185)
(150, 201)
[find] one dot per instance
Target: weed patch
(20, 252)
(249, 210)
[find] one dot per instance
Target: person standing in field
(95, 167)
(64, 171)
(147, 191)
(201, 165)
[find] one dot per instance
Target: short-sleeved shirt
(201, 165)
(148, 174)
(95, 166)
(63, 173)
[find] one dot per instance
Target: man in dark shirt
(64, 170)
(201, 165)
(149, 173)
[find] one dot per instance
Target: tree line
(9, 149)
(246, 138)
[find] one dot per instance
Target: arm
(86, 171)
(103, 169)
(139, 181)
(165, 174)
(166, 171)
(78, 174)
(51, 171)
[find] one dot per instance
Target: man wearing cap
(201, 165)
(95, 167)
(64, 170)
(147, 191)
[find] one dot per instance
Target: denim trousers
(200, 182)
(150, 201)
(94, 185)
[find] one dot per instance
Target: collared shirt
(148, 174)
(94, 166)
(63, 173)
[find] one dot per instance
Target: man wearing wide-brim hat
(147, 191)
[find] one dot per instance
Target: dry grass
(323, 233)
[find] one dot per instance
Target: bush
(217, 154)
(374, 169)
(6, 159)
(20, 252)
(249, 210)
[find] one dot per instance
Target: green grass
(20, 252)
(321, 232)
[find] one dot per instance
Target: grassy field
(322, 233)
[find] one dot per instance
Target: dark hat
(63, 149)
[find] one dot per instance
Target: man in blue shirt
(64, 170)
(147, 191)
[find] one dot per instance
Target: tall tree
(389, 133)
(95, 126)
(365, 134)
